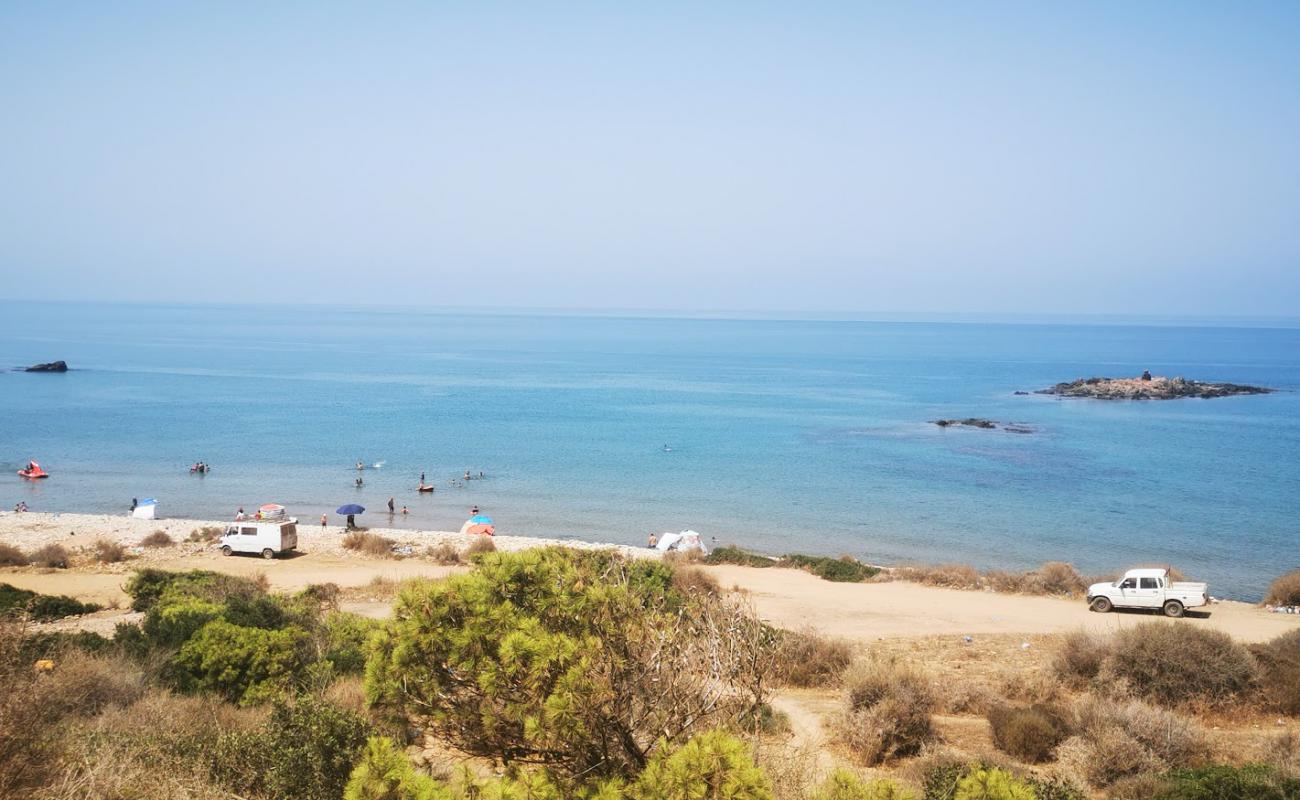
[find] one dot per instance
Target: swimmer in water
(404, 511)
(360, 465)
(360, 482)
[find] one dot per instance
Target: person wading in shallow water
(392, 509)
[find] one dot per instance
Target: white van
(268, 537)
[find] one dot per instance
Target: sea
(780, 435)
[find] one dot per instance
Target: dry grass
(1030, 733)
(811, 659)
(678, 558)
(51, 556)
(109, 552)
(1080, 657)
(11, 556)
(1053, 578)
(158, 538)
(481, 544)
(371, 544)
(208, 533)
(443, 553)
(1279, 673)
(887, 710)
(1117, 739)
(1285, 590)
(1180, 665)
(693, 580)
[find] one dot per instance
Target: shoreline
(787, 598)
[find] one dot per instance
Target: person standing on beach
(654, 540)
(323, 520)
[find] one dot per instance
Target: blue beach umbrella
(350, 508)
(479, 519)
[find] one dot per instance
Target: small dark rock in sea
(1020, 391)
(53, 366)
(1149, 388)
(969, 422)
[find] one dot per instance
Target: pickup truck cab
(1148, 588)
(268, 537)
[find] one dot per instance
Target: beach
(787, 598)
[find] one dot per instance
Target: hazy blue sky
(1089, 157)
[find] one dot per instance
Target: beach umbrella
(350, 509)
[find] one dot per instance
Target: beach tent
(686, 540)
(479, 524)
(145, 509)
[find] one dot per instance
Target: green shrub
(729, 554)
(887, 710)
(344, 641)
(41, 607)
(992, 784)
(710, 764)
(844, 785)
(1030, 734)
(146, 586)
(244, 665)
(844, 569)
(1279, 673)
(385, 773)
(55, 644)
(584, 662)
(1220, 782)
(1175, 664)
(809, 659)
(51, 556)
(171, 624)
(11, 556)
(1285, 590)
(305, 751)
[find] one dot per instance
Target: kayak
(33, 475)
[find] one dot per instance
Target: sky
(1029, 157)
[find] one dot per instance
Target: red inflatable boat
(33, 471)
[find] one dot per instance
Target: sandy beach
(787, 598)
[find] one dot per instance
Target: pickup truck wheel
(1173, 608)
(225, 550)
(268, 553)
(1101, 605)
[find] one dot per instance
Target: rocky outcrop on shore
(53, 366)
(984, 424)
(1147, 387)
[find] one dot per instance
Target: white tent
(686, 540)
(145, 509)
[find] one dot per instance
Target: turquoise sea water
(807, 436)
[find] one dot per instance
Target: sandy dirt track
(785, 597)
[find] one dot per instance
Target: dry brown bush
(1029, 733)
(208, 533)
(1117, 739)
(692, 580)
(953, 576)
(51, 556)
(811, 659)
(1180, 664)
(1279, 673)
(443, 553)
(481, 544)
(1285, 590)
(109, 552)
(960, 696)
(158, 538)
(1080, 657)
(793, 770)
(371, 544)
(1057, 578)
(11, 556)
(887, 710)
(680, 557)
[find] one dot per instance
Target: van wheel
(268, 553)
(1173, 608)
(225, 550)
(1101, 605)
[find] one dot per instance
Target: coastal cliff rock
(53, 366)
(1148, 388)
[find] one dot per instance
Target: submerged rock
(1147, 387)
(969, 422)
(53, 366)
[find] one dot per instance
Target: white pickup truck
(1148, 588)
